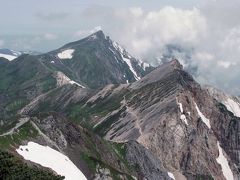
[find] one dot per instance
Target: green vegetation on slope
(15, 105)
(83, 113)
(11, 168)
(23, 133)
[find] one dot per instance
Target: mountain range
(107, 115)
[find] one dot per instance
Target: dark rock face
(162, 115)
(78, 144)
(147, 165)
(225, 127)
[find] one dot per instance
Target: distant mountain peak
(97, 35)
(96, 61)
(9, 54)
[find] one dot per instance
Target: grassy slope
(25, 132)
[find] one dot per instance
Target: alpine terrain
(90, 110)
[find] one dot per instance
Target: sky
(207, 32)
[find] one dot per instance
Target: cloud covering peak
(206, 44)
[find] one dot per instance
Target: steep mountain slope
(96, 61)
(186, 130)
(86, 100)
(167, 110)
(21, 81)
(232, 103)
(28, 79)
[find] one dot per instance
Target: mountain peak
(97, 35)
(176, 64)
(99, 32)
(159, 73)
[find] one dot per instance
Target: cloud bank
(205, 39)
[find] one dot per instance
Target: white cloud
(224, 64)
(84, 33)
(95, 29)
(211, 40)
(136, 11)
(143, 32)
(170, 24)
(50, 36)
(203, 56)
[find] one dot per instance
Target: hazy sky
(27, 24)
(207, 30)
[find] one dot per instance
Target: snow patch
(222, 160)
(50, 158)
(232, 103)
(118, 47)
(128, 61)
(180, 107)
(112, 51)
(16, 53)
(184, 119)
(232, 106)
(171, 175)
(142, 64)
(8, 57)
(126, 58)
(66, 54)
(74, 82)
(62, 79)
(203, 118)
(145, 65)
(182, 116)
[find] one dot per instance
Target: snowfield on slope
(126, 60)
(233, 107)
(66, 54)
(62, 79)
(50, 158)
(8, 57)
(203, 118)
(182, 116)
(171, 175)
(222, 160)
